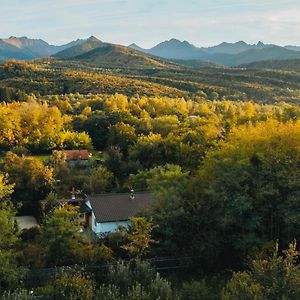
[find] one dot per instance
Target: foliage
(196, 290)
(18, 294)
(91, 253)
(218, 148)
(252, 179)
(10, 273)
(73, 287)
(99, 180)
(6, 189)
(137, 236)
(32, 179)
(59, 236)
(244, 196)
(273, 277)
(109, 292)
(136, 281)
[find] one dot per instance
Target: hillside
(174, 49)
(77, 50)
(52, 76)
(294, 48)
(109, 55)
(60, 77)
(8, 51)
(196, 63)
(37, 47)
(287, 65)
(273, 52)
(23, 48)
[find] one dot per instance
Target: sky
(148, 22)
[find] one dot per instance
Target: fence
(38, 277)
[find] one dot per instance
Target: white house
(26, 222)
(104, 213)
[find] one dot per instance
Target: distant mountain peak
(241, 43)
(133, 45)
(173, 40)
(93, 39)
(175, 43)
(260, 44)
(136, 47)
(186, 43)
(79, 48)
(23, 38)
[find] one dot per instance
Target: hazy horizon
(203, 23)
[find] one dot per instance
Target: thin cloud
(202, 22)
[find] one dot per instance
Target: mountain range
(96, 52)
(24, 48)
(228, 54)
(107, 55)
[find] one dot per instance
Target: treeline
(133, 134)
(45, 77)
(38, 128)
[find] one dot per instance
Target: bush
(18, 294)
(109, 292)
(75, 286)
(273, 277)
(196, 290)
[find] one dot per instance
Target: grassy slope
(58, 77)
(286, 65)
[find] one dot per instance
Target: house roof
(118, 207)
(84, 208)
(77, 154)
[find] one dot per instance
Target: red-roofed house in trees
(77, 157)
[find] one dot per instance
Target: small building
(75, 199)
(77, 157)
(26, 222)
(104, 213)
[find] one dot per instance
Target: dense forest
(219, 148)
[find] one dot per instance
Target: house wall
(101, 229)
(79, 163)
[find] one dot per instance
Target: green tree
(251, 184)
(10, 273)
(122, 135)
(126, 280)
(109, 292)
(18, 294)
(32, 179)
(99, 180)
(196, 290)
(268, 278)
(138, 236)
(60, 238)
(6, 189)
(75, 286)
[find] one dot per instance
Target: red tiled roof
(119, 207)
(77, 154)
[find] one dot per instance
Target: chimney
(131, 194)
(73, 196)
